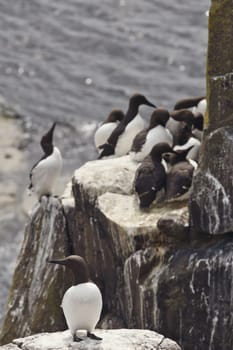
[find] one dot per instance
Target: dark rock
(195, 296)
(211, 201)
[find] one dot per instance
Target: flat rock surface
(124, 210)
(118, 339)
(112, 175)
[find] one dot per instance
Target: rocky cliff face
(151, 273)
(37, 288)
(212, 197)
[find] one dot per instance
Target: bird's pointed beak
(148, 103)
(48, 137)
(58, 261)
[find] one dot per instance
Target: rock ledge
(123, 339)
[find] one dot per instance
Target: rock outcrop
(151, 273)
(211, 204)
(103, 224)
(37, 287)
(123, 339)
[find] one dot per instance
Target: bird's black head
(160, 148)
(114, 116)
(145, 199)
(78, 266)
(183, 115)
(47, 141)
(138, 100)
(159, 116)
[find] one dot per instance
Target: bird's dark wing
(113, 138)
(31, 171)
(139, 141)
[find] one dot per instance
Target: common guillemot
(179, 180)
(120, 141)
(154, 134)
(150, 177)
(106, 128)
(45, 172)
(82, 303)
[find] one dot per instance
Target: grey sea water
(74, 60)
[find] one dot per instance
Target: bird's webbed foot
(76, 338)
(93, 336)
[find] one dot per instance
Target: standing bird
(150, 177)
(82, 303)
(46, 171)
(155, 133)
(120, 141)
(106, 128)
(180, 174)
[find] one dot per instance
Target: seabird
(82, 303)
(155, 133)
(120, 141)
(46, 171)
(106, 128)
(150, 177)
(179, 180)
(180, 125)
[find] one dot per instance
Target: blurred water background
(73, 61)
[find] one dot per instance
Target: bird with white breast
(82, 303)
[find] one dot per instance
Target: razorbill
(82, 303)
(120, 141)
(150, 177)
(46, 171)
(106, 128)
(155, 133)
